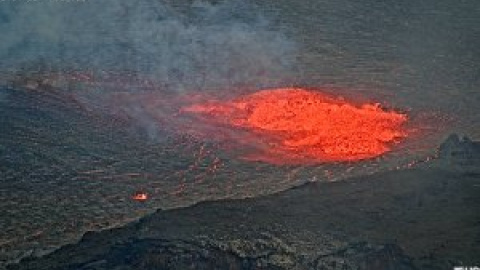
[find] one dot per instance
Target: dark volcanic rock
(460, 150)
(422, 218)
(178, 254)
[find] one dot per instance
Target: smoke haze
(185, 46)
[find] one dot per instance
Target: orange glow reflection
(301, 124)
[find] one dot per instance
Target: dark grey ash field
(89, 92)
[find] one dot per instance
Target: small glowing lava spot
(295, 125)
(140, 196)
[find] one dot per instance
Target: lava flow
(296, 125)
(140, 196)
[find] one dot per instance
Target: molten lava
(140, 196)
(298, 124)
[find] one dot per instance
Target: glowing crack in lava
(296, 124)
(140, 196)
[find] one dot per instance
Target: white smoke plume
(183, 44)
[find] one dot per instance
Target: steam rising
(185, 46)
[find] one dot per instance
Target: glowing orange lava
(140, 196)
(301, 124)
